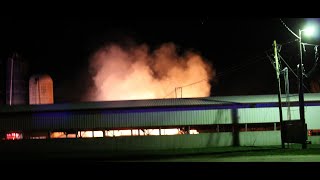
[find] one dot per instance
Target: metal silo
(40, 89)
(16, 81)
(2, 82)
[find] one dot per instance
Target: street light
(308, 31)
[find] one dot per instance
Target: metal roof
(153, 103)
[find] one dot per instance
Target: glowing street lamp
(308, 32)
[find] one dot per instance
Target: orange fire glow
(117, 133)
(136, 73)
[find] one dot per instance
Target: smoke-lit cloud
(136, 72)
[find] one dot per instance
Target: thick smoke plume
(131, 73)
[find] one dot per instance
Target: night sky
(236, 47)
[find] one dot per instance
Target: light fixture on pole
(308, 31)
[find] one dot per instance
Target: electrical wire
(243, 66)
(232, 69)
(272, 63)
(193, 83)
(281, 58)
(180, 87)
(289, 29)
(236, 68)
(293, 72)
(169, 93)
(289, 42)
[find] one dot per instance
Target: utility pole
(301, 95)
(11, 80)
(279, 91)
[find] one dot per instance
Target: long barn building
(158, 124)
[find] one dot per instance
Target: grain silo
(40, 89)
(2, 82)
(16, 81)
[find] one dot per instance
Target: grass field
(216, 154)
(292, 153)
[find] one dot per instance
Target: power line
(236, 68)
(289, 29)
(279, 45)
(180, 87)
(272, 63)
(243, 66)
(288, 42)
(169, 93)
(193, 83)
(287, 66)
(293, 72)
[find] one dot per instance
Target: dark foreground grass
(293, 149)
